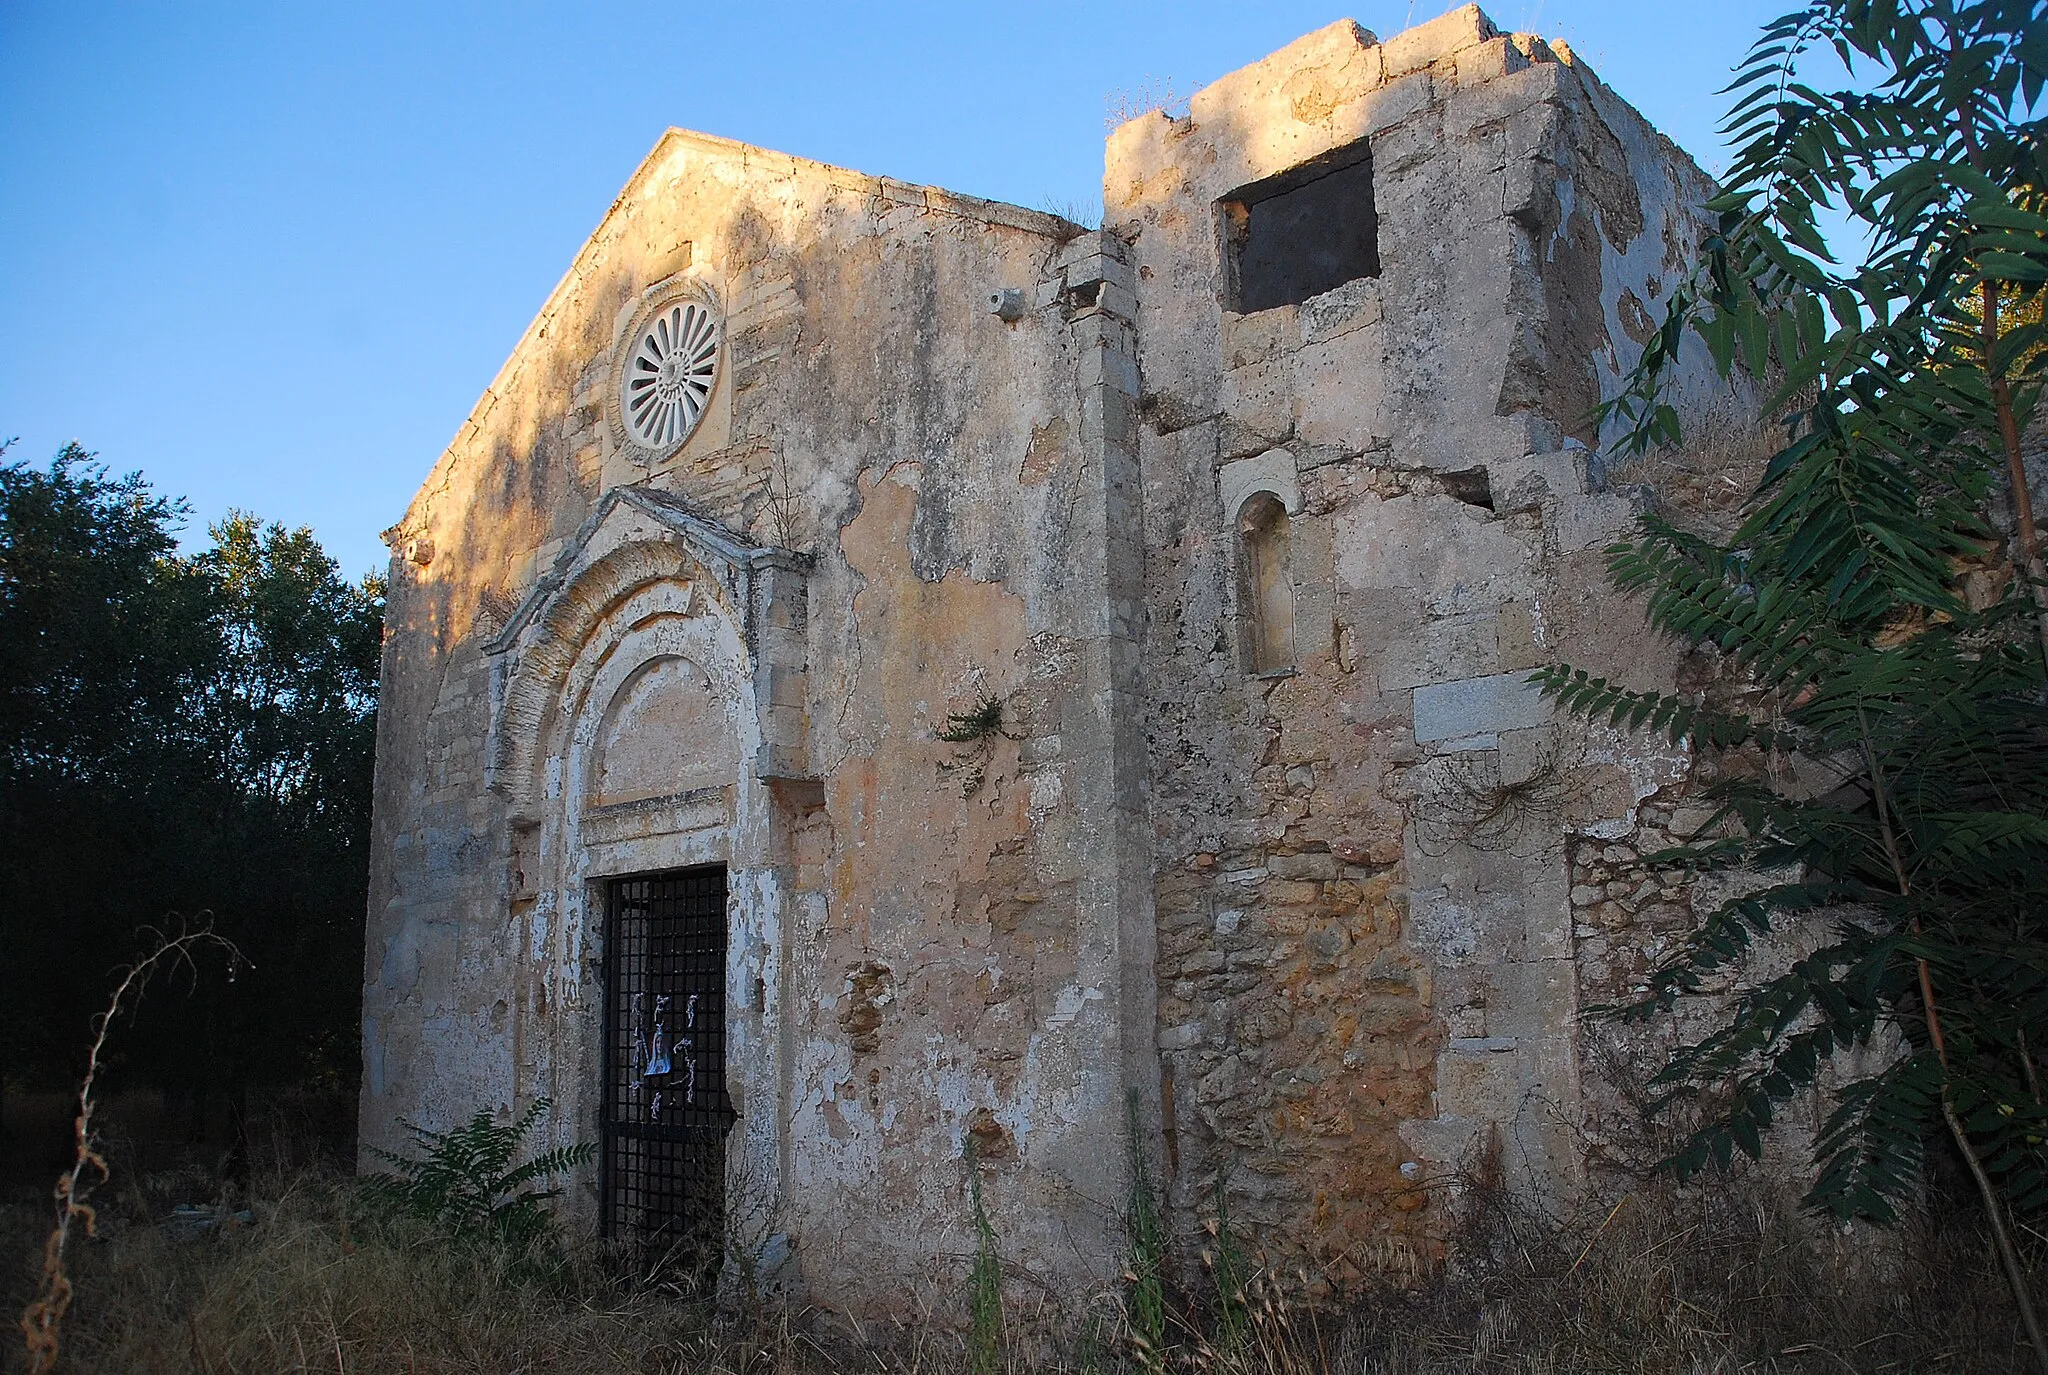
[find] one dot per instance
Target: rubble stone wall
(1368, 970)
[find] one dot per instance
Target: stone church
(886, 684)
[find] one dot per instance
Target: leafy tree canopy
(1881, 611)
(179, 734)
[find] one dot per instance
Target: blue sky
(270, 254)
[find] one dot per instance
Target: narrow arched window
(1266, 558)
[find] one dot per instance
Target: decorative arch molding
(1274, 472)
(636, 542)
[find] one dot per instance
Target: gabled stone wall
(1273, 843)
(896, 502)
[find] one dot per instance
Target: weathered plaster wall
(910, 965)
(1367, 961)
(1329, 923)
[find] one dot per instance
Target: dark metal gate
(666, 1114)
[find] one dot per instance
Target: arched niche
(665, 733)
(1265, 543)
(646, 762)
(638, 543)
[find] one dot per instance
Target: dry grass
(1692, 1281)
(1671, 1283)
(1706, 482)
(302, 1291)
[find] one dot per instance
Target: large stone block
(1339, 311)
(1496, 57)
(1259, 336)
(1343, 47)
(1430, 43)
(1478, 706)
(1457, 647)
(1591, 522)
(1473, 106)
(1340, 390)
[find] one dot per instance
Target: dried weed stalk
(784, 508)
(42, 1322)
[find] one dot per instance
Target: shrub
(466, 1187)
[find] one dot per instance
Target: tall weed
(984, 1283)
(1145, 1253)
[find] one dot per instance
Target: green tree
(292, 711)
(103, 632)
(289, 734)
(183, 734)
(1907, 374)
(105, 637)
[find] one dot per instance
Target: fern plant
(1905, 377)
(466, 1185)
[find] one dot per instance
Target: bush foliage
(470, 1184)
(180, 733)
(1881, 613)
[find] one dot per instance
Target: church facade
(887, 684)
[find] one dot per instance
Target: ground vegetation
(1723, 1280)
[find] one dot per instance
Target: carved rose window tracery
(669, 375)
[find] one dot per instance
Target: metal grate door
(666, 1114)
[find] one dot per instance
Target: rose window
(670, 374)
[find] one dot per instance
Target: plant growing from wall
(973, 733)
(1462, 799)
(1905, 377)
(1145, 1253)
(784, 510)
(466, 1185)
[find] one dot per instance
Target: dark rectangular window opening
(1302, 232)
(661, 1171)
